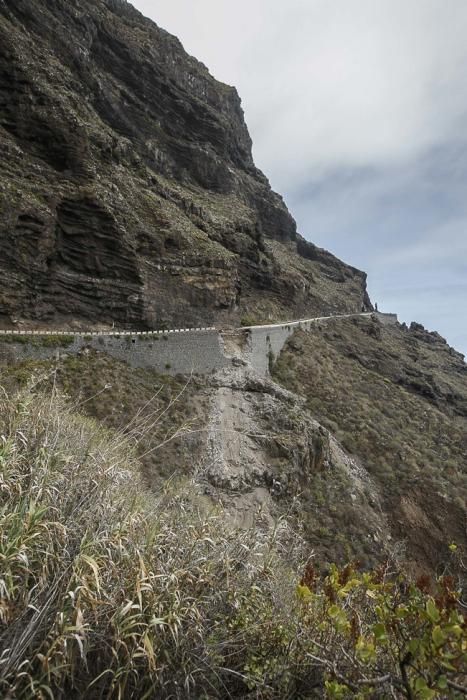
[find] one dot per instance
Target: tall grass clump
(108, 591)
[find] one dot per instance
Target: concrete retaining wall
(265, 343)
(386, 319)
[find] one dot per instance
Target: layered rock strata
(128, 192)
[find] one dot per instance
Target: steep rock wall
(128, 192)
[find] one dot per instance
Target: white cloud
(358, 114)
(332, 83)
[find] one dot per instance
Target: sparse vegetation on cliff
(114, 394)
(39, 341)
(95, 191)
(107, 591)
(396, 399)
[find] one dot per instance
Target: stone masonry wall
(185, 351)
(171, 352)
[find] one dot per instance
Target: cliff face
(128, 193)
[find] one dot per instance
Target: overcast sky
(358, 114)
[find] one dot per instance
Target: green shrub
(44, 341)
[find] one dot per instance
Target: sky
(358, 114)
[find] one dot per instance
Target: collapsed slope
(128, 192)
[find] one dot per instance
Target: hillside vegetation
(107, 591)
(400, 487)
(397, 400)
(161, 415)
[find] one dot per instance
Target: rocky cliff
(128, 192)
(363, 448)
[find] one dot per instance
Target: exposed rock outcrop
(266, 457)
(128, 192)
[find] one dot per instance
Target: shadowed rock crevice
(89, 242)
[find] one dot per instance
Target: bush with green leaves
(381, 635)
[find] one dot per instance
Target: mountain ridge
(129, 188)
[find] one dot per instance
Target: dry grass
(116, 394)
(107, 591)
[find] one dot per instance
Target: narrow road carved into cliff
(118, 332)
(176, 351)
